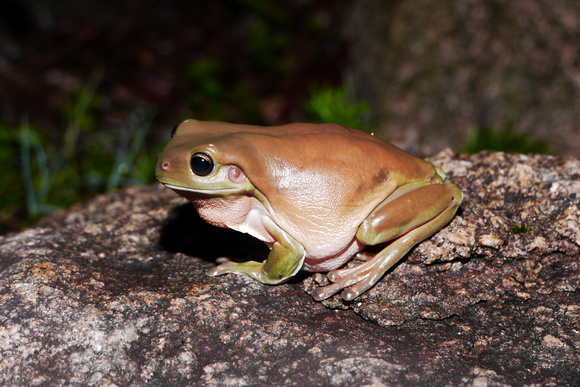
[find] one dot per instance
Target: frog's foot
(355, 280)
(251, 268)
(256, 270)
(225, 265)
(336, 275)
(282, 263)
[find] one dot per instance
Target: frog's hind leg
(403, 221)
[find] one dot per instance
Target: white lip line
(198, 191)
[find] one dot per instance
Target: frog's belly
(335, 261)
(326, 249)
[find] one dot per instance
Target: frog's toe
(320, 294)
(351, 280)
(323, 292)
(217, 270)
(368, 277)
(225, 266)
(354, 291)
(348, 294)
(213, 272)
(222, 260)
(337, 275)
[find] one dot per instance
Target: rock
(113, 292)
(435, 71)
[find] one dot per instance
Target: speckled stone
(113, 292)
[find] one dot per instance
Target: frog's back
(307, 146)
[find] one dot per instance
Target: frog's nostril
(165, 165)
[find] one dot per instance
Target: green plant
(211, 97)
(36, 173)
(11, 184)
(133, 164)
(504, 139)
(267, 10)
(331, 104)
(266, 49)
(98, 162)
(522, 228)
(77, 114)
(208, 90)
(41, 176)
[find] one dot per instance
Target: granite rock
(113, 292)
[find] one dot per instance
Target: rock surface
(113, 292)
(435, 70)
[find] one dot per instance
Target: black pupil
(201, 164)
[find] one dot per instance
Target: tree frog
(316, 194)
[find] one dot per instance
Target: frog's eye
(173, 131)
(201, 164)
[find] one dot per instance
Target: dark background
(80, 81)
(89, 90)
(167, 55)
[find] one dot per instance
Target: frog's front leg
(414, 215)
(284, 261)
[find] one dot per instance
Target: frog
(318, 194)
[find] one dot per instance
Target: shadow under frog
(185, 232)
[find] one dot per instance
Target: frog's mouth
(187, 192)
